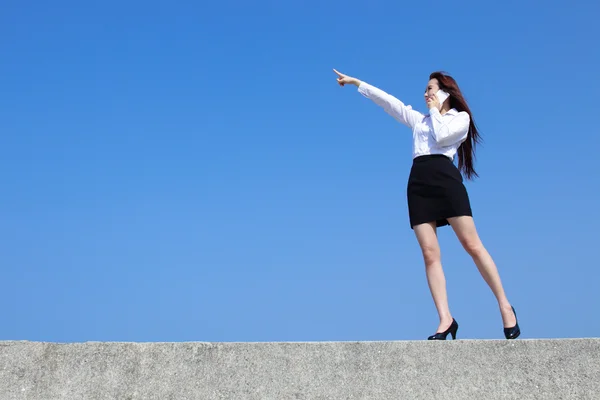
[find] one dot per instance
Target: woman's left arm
(447, 131)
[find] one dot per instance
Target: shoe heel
(515, 331)
(442, 335)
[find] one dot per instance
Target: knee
(431, 255)
(473, 246)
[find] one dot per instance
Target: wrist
(356, 82)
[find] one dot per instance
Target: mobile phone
(442, 96)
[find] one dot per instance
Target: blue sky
(192, 172)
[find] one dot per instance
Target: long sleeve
(391, 105)
(448, 130)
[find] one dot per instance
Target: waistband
(428, 157)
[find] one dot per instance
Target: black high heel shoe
(442, 335)
(515, 331)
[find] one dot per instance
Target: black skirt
(435, 191)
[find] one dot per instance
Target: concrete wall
(462, 369)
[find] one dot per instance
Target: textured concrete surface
(462, 369)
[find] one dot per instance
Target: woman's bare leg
(465, 230)
(428, 241)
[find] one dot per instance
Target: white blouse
(433, 133)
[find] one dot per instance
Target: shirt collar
(452, 111)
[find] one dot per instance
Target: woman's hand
(345, 79)
(433, 102)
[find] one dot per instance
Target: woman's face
(432, 88)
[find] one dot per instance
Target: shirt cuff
(434, 110)
(363, 88)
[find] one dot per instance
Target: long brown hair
(466, 151)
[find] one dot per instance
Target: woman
(436, 194)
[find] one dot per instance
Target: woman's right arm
(401, 112)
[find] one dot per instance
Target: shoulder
(450, 114)
(462, 114)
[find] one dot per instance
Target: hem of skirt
(439, 222)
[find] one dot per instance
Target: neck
(444, 109)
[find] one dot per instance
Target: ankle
(445, 315)
(504, 305)
(446, 320)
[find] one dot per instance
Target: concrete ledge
(462, 369)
